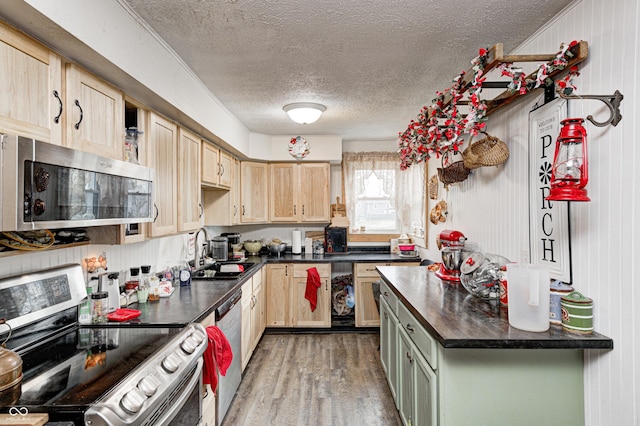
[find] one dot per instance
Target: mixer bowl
(452, 258)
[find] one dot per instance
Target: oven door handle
(178, 404)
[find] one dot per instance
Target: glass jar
(99, 307)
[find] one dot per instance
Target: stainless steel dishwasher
(229, 320)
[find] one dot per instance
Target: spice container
(577, 313)
(99, 307)
(154, 288)
(134, 279)
(557, 291)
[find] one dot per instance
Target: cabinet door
(314, 193)
(247, 304)
(283, 187)
(225, 169)
(425, 402)
(163, 152)
(235, 193)
(389, 347)
(32, 75)
(405, 378)
(302, 315)
(209, 164)
(189, 205)
(278, 288)
(366, 309)
(94, 114)
(254, 192)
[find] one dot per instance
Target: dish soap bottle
(84, 310)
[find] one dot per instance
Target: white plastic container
(528, 295)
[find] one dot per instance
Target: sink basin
(212, 272)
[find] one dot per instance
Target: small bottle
(143, 286)
(84, 310)
(154, 288)
(185, 274)
(134, 279)
(99, 307)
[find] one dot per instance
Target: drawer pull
(410, 327)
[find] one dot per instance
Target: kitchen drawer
(300, 269)
(423, 341)
(388, 296)
(368, 269)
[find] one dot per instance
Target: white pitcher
(528, 293)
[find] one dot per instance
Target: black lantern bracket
(611, 101)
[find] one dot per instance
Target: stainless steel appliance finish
(229, 320)
(98, 375)
(47, 186)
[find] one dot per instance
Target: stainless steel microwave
(46, 186)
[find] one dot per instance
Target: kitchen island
(452, 359)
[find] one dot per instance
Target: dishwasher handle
(228, 305)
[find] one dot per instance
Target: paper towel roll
(296, 242)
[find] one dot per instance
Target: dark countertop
(456, 319)
(195, 302)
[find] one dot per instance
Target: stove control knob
(149, 385)
(172, 362)
(132, 401)
(189, 345)
(199, 336)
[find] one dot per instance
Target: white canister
(528, 295)
(296, 242)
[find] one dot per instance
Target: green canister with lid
(577, 313)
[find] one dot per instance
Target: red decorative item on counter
(570, 171)
(123, 314)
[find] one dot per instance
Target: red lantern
(570, 171)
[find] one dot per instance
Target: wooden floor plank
(327, 379)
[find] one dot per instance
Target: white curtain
(406, 189)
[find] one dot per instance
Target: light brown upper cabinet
(299, 192)
(162, 156)
(94, 114)
(217, 167)
(189, 203)
(223, 207)
(254, 192)
(31, 80)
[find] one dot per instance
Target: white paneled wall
(491, 206)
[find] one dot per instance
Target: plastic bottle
(84, 310)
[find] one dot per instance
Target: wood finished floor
(314, 379)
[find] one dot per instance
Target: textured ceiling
(374, 63)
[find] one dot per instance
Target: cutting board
(33, 419)
(338, 208)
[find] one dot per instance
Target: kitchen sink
(223, 271)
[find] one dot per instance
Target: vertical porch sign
(549, 242)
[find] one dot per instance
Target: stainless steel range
(97, 375)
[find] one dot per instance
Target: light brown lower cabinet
(285, 296)
(364, 275)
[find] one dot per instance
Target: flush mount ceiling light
(304, 112)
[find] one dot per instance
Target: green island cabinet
(452, 359)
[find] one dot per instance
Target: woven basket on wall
(489, 151)
(452, 172)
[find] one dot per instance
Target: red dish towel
(217, 357)
(313, 284)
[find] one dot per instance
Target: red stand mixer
(451, 243)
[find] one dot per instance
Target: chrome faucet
(198, 260)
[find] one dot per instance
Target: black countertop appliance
(335, 239)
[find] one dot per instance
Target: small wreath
(299, 147)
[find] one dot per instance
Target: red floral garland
(441, 131)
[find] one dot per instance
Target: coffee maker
(451, 245)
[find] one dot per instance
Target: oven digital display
(34, 296)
